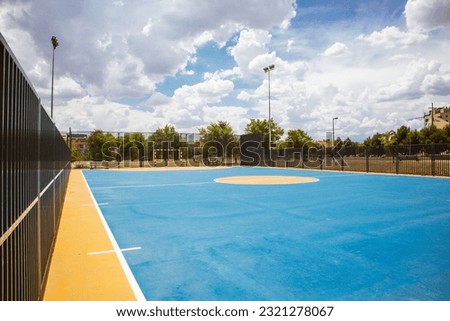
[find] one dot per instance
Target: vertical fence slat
(2, 169)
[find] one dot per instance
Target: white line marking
(157, 185)
(92, 204)
(126, 268)
(114, 251)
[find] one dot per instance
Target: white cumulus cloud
(337, 49)
(251, 44)
(391, 37)
(409, 86)
(427, 15)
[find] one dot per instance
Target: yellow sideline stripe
(74, 275)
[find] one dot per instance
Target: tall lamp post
(332, 141)
(267, 70)
(54, 44)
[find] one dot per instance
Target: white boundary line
(113, 251)
(219, 180)
(149, 186)
(126, 268)
(348, 172)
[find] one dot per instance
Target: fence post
(433, 165)
(302, 158)
(39, 219)
(433, 160)
(367, 158)
(397, 165)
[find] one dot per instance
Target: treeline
(132, 146)
(405, 136)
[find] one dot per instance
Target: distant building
(438, 116)
(78, 142)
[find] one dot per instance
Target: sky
(138, 65)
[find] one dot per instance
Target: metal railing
(34, 170)
(419, 159)
(412, 159)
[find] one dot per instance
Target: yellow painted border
(75, 275)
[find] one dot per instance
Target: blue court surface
(345, 237)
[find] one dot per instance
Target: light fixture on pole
(54, 44)
(332, 141)
(267, 70)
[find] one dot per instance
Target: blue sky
(138, 65)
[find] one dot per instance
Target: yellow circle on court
(265, 180)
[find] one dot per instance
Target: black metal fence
(428, 160)
(34, 170)
(248, 150)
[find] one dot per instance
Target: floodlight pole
(54, 44)
(268, 70)
(332, 139)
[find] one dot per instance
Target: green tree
(349, 143)
(447, 133)
(298, 138)
(221, 136)
(338, 142)
(256, 126)
(77, 155)
(166, 134)
(432, 134)
(375, 140)
(164, 138)
(388, 138)
(413, 137)
(403, 134)
(133, 146)
(99, 145)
